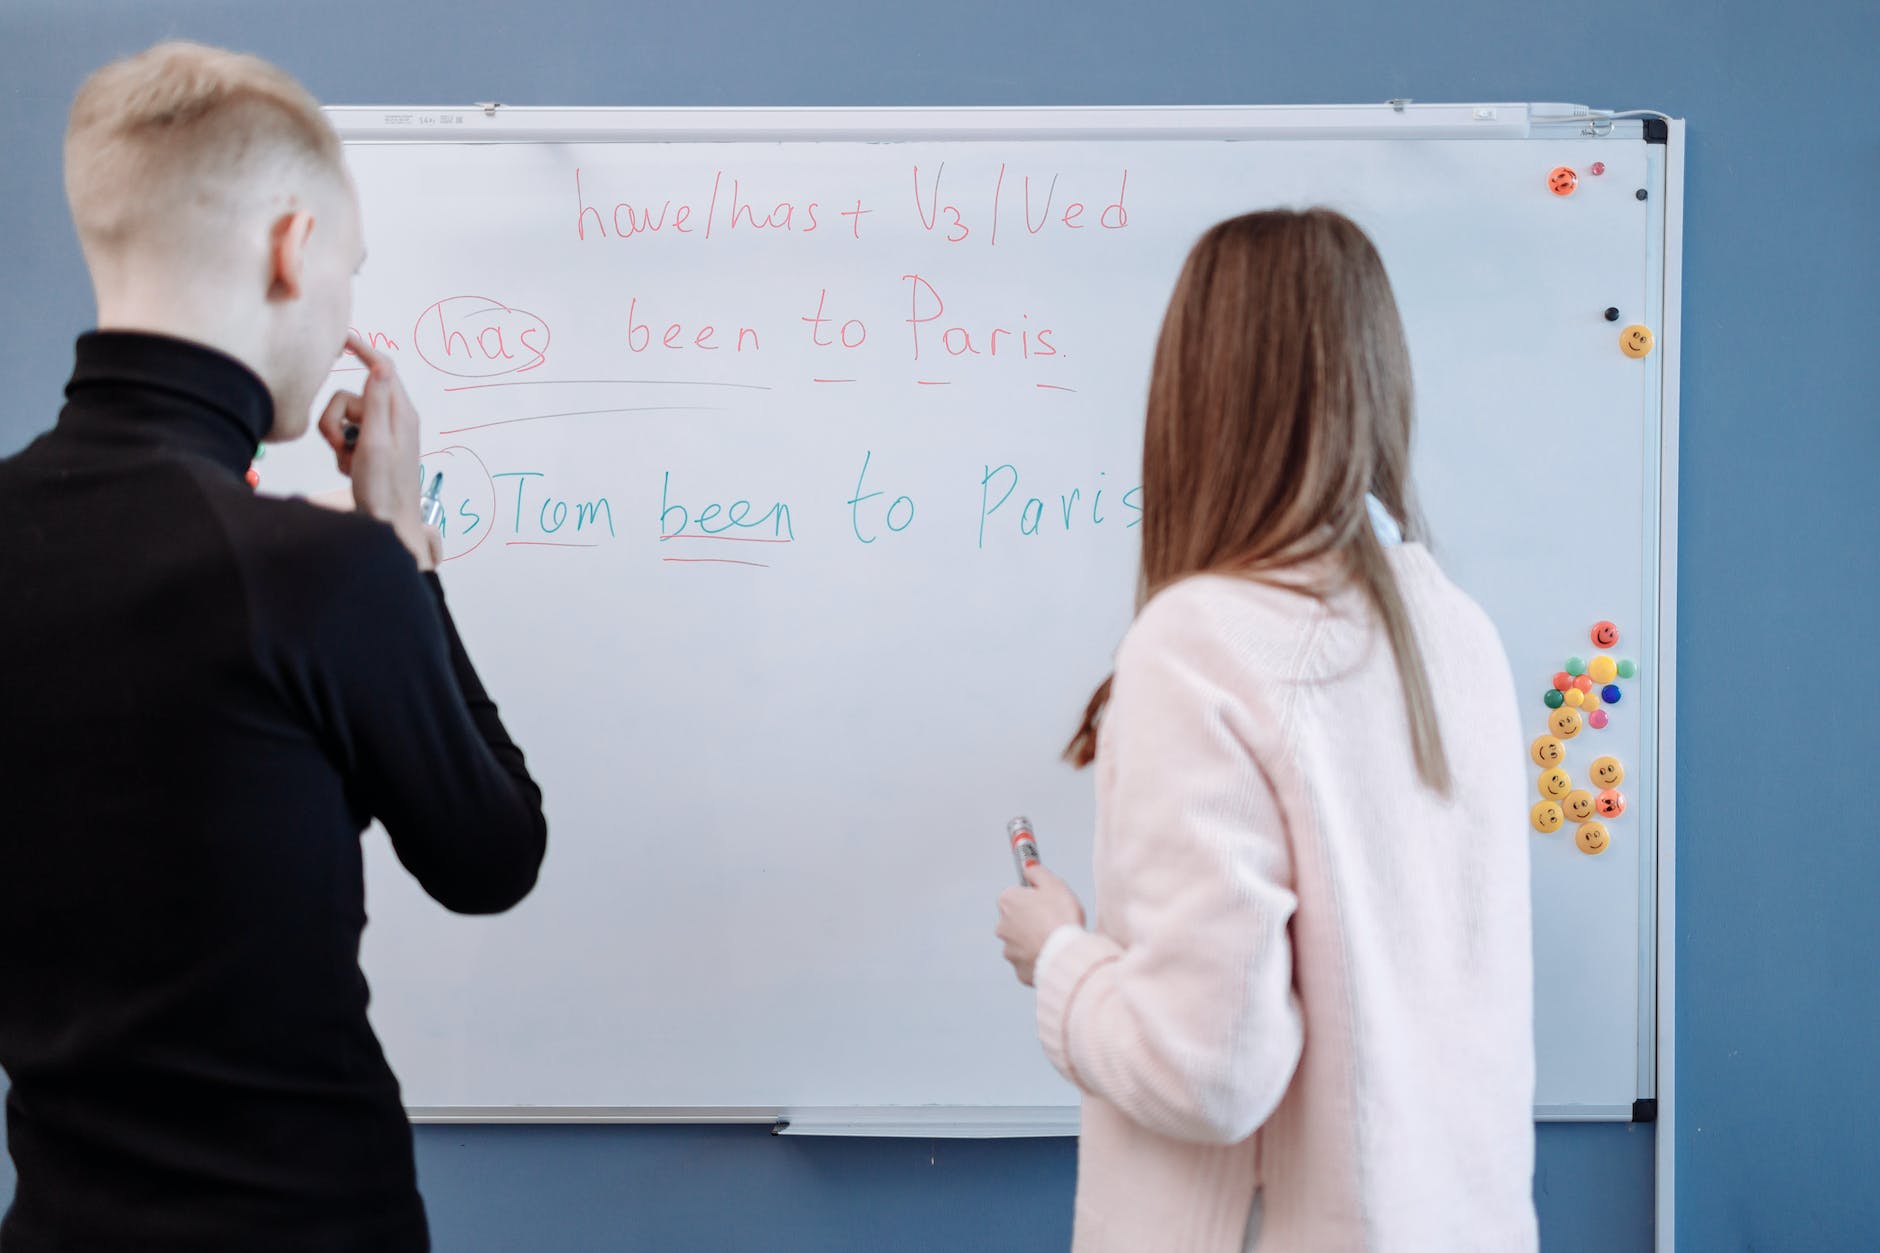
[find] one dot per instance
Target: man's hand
(1028, 916)
(382, 461)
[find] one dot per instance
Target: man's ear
(287, 254)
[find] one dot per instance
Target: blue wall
(1777, 935)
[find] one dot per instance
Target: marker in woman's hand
(1024, 847)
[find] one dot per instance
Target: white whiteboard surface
(778, 760)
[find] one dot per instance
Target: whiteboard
(790, 464)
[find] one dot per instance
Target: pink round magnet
(1597, 719)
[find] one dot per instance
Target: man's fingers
(376, 414)
(382, 393)
(375, 361)
(344, 407)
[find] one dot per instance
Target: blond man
(209, 694)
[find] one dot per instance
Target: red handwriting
(781, 216)
(376, 339)
(640, 334)
(746, 211)
(349, 364)
(853, 333)
(477, 337)
(930, 211)
(956, 209)
(938, 211)
(958, 340)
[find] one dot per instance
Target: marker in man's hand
(1024, 847)
(431, 509)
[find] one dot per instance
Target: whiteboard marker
(1024, 846)
(431, 509)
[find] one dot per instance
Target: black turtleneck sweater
(205, 696)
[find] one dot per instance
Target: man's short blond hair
(163, 144)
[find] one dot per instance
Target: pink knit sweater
(1309, 976)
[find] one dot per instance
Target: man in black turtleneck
(206, 696)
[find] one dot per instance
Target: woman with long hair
(1303, 1018)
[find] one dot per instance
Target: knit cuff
(1059, 986)
(1053, 944)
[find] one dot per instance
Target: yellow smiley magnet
(1592, 838)
(1636, 341)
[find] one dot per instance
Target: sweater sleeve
(1193, 1030)
(379, 664)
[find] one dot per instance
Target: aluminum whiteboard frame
(500, 123)
(1664, 939)
(497, 123)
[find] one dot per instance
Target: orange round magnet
(1562, 181)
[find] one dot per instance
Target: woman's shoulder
(1226, 620)
(1275, 626)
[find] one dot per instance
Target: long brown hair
(1281, 396)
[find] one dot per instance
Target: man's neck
(159, 308)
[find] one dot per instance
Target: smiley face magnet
(1547, 751)
(1592, 838)
(1607, 772)
(1636, 341)
(1555, 783)
(1578, 804)
(1546, 817)
(1564, 722)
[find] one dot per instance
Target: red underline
(714, 561)
(730, 539)
(542, 543)
(1055, 388)
(583, 413)
(832, 380)
(934, 382)
(471, 387)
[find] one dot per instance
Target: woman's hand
(1027, 917)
